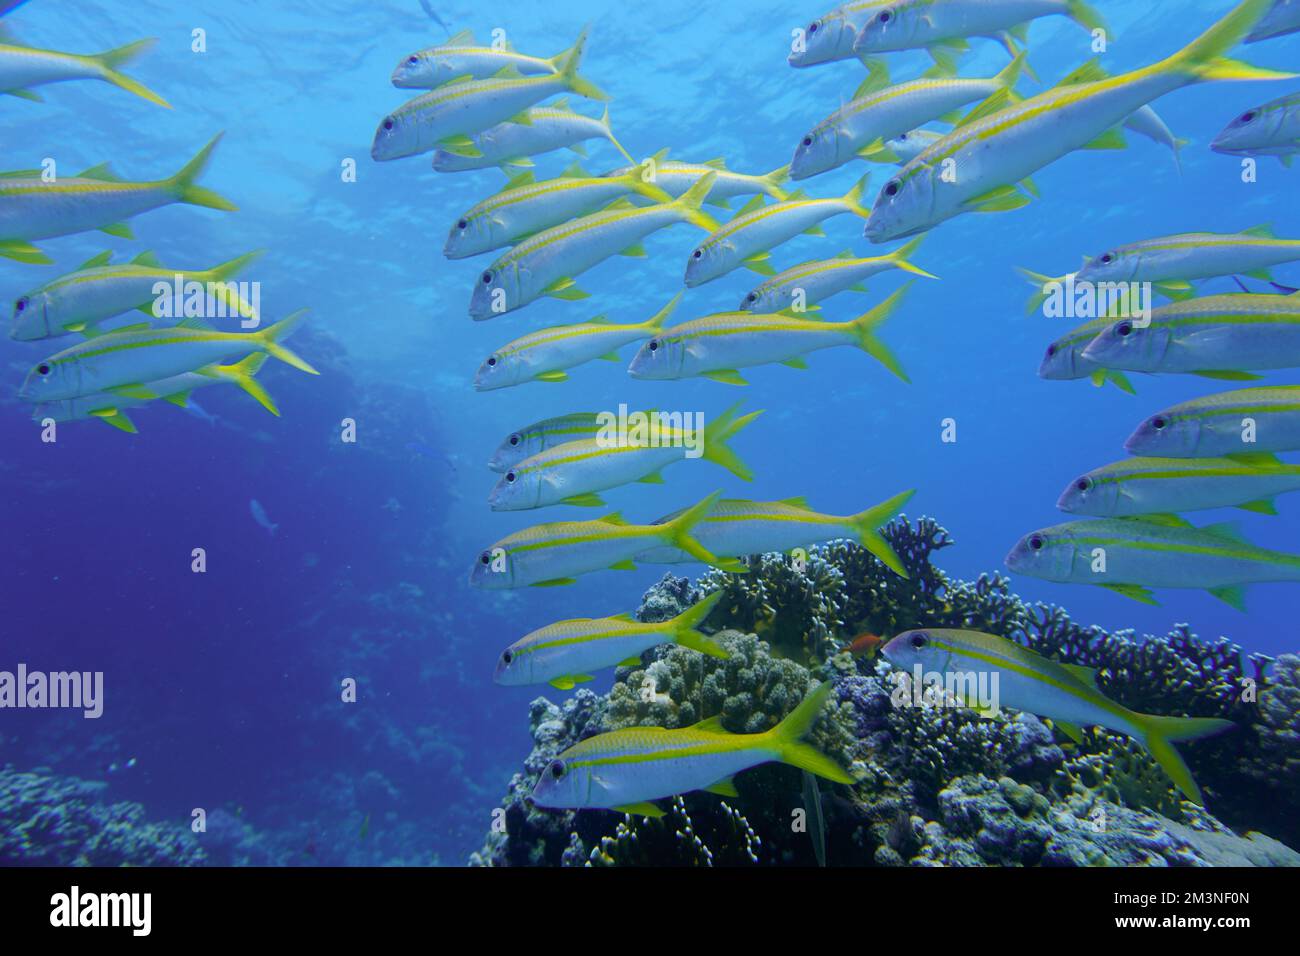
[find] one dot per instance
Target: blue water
(225, 686)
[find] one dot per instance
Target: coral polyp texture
(935, 785)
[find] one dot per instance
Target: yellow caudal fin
(678, 533)
(110, 61)
(867, 524)
(787, 736)
(716, 435)
(609, 135)
(1084, 15)
(686, 624)
(641, 180)
(1010, 74)
(231, 267)
(901, 258)
(187, 191)
(656, 321)
(271, 338)
(1162, 732)
(853, 198)
(558, 61)
(1204, 59)
(864, 330)
(243, 374)
(221, 275)
(690, 202)
(1041, 282)
(773, 182)
(569, 72)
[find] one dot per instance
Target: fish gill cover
(297, 621)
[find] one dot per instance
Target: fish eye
(698, 254)
(43, 369)
(1159, 422)
(885, 16)
(20, 304)
(654, 345)
(813, 27)
(388, 123)
(807, 140)
(485, 558)
(557, 769)
(1124, 328)
(510, 476)
(507, 657)
(1107, 259)
(752, 297)
(1247, 116)
(919, 640)
(413, 59)
(1051, 350)
(902, 138)
(487, 278)
(1036, 542)
(514, 439)
(891, 188)
(463, 224)
(492, 361)
(1083, 484)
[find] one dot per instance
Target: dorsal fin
(101, 172)
(147, 258)
(797, 502)
(507, 72)
(575, 171)
(711, 725)
(718, 162)
(1260, 232)
(754, 204)
(1088, 675)
(990, 106)
(846, 254)
(526, 178)
(1166, 521)
(464, 37)
(877, 79)
(1089, 72)
(1227, 530)
(102, 259)
(615, 519)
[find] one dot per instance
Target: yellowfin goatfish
(572, 473)
(942, 26)
(127, 359)
(1067, 694)
(675, 177)
(562, 654)
(800, 288)
(756, 229)
(110, 408)
(879, 112)
(548, 433)
(1272, 129)
(98, 290)
(1229, 423)
(1218, 336)
(1281, 19)
(626, 769)
(546, 263)
(461, 56)
(31, 208)
(22, 67)
(1064, 359)
(555, 553)
(830, 37)
(734, 528)
(510, 144)
(1143, 486)
(717, 345)
(976, 168)
(528, 207)
(444, 116)
(542, 356)
(1130, 555)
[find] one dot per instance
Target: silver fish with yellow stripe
(461, 55)
(1142, 486)
(1247, 420)
(23, 67)
(549, 432)
(510, 145)
(677, 176)
(800, 289)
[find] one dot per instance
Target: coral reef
(935, 784)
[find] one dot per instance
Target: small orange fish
(867, 644)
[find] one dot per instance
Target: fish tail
(569, 72)
(685, 627)
(716, 435)
(224, 272)
(656, 322)
(21, 251)
(1203, 58)
(1041, 282)
(188, 192)
(110, 61)
(243, 373)
(788, 737)
(853, 199)
(271, 337)
(1083, 14)
(609, 135)
(864, 326)
(678, 533)
(558, 61)
(640, 179)
(1010, 74)
(690, 202)
(773, 182)
(901, 261)
(1161, 732)
(867, 522)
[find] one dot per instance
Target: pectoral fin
(1134, 591)
(641, 809)
(728, 376)
(588, 500)
(726, 787)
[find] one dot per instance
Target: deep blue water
(225, 686)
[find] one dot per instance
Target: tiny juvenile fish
(548, 433)
(756, 229)
(259, 515)
(1218, 336)
(461, 56)
(801, 288)
(675, 177)
(627, 769)
(574, 472)
(717, 345)
(1152, 552)
(564, 653)
(998, 147)
(444, 116)
(553, 554)
(1142, 486)
(830, 37)
(528, 207)
(31, 208)
(735, 528)
(546, 263)
(125, 360)
(1248, 420)
(98, 290)
(1067, 694)
(510, 144)
(110, 408)
(880, 111)
(23, 67)
(1272, 129)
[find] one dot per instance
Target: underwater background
(222, 689)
